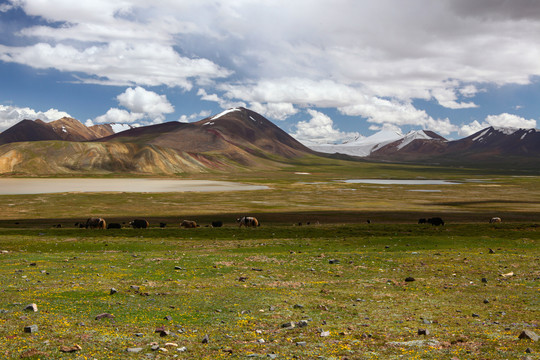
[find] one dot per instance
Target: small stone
(409, 279)
(242, 278)
(134, 287)
(134, 350)
(139, 334)
(301, 343)
(272, 356)
(298, 306)
(261, 341)
(475, 315)
(484, 280)
(170, 344)
(528, 334)
(302, 323)
(205, 339)
(168, 318)
(155, 347)
(31, 329)
(288, 325)
(528, 350)
(423, 332)
(486, 301)
(491, 251)
(31, 307)
(104, 315)
(113, 291)
(182, 349)
(325, 333)
(333, 261)
(161, 331)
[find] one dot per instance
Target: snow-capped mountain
(493, 146)
(381, 140)
(359, 147)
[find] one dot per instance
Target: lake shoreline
(29, 186)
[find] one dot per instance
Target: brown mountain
(66, 129)
(235, 139)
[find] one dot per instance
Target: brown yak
(95, 223)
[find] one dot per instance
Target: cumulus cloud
(141, 101)
(11, 115)
(501, 120)
(140, 104)
(194, 117)
(120, 116)
(320, 129)
(363, 57)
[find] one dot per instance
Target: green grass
(363, 301)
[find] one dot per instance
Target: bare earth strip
(44, 186)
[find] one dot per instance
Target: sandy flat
(43, 186)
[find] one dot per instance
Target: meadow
(352, 289)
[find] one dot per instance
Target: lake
(13, 186)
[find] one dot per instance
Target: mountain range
(498, 147)
(236, 139)
(239, 139)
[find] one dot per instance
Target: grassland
(239, 286)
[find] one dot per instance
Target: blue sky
(323, 70)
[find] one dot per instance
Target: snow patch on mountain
(411, 136)
(119, 127)
(223, 113)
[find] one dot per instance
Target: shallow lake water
(13, 186)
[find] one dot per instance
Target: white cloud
(363, 57)
(141, 101)
(117, 63)
(277, 111)
(11, 115)
(320, 129)
(501, 120)
(510, 120)
(471, 128)
(194, 117)
(119, 116)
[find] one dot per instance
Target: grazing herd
(100, 223)
(246, 221)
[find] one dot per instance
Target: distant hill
(234, 139)
(66, 129)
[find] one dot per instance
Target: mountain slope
(67, 129)
(233, 140)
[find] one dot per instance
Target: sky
(322, 70)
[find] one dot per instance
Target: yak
(217, 223)
(95, 223)
(495, 220)
(139, 224)
(248, 221)
(189, 224)
(435, 221)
